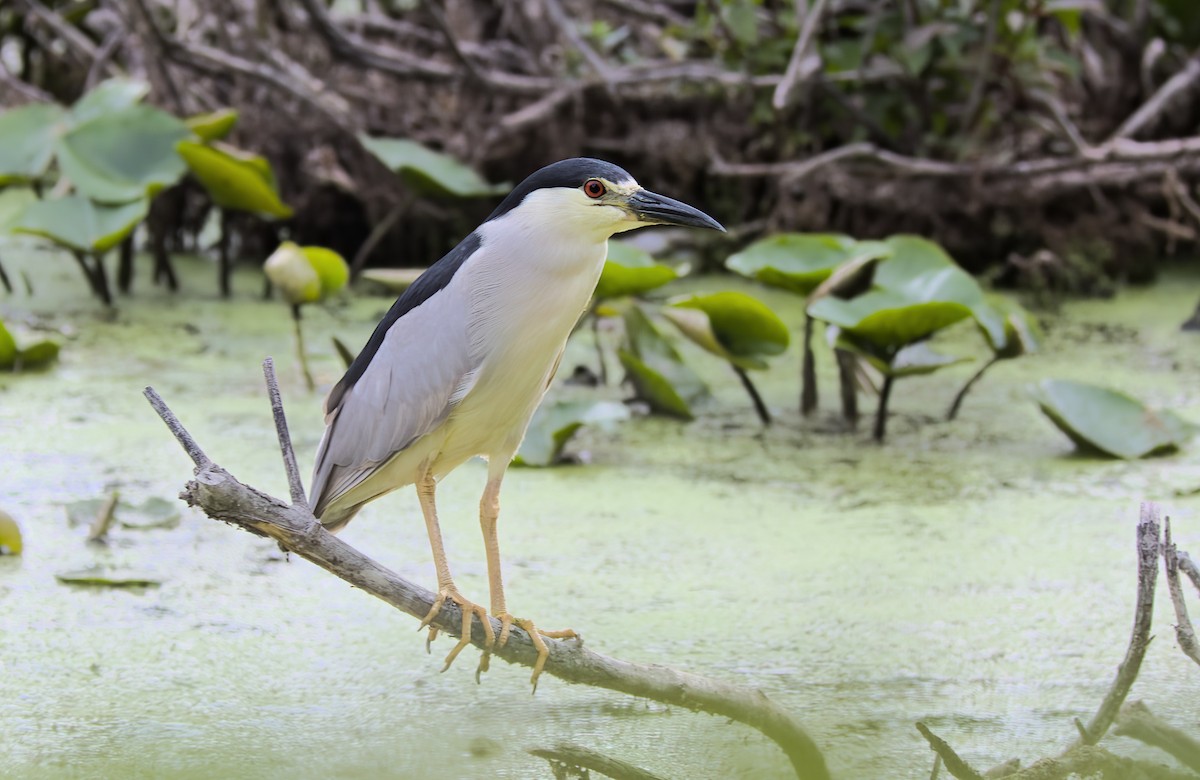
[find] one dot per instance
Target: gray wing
(420, 370)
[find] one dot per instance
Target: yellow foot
(535, 636)
(469, 610)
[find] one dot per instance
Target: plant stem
(759, 406)
(308, 380)
(163, 270)
(599, 349)
(226, 265)
(376, 235)
(848, 381)
(808, 372)
(101, 278)
(5, 280)
(125, 266)
(958, 399)
(881, 412)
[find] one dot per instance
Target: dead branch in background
(224, 498)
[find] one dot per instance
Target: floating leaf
(331, 268)
(798, 262)
(396, 280)
(108, 577)
(1108, 421)
(13, 202)
(36, 355)
(214, 125)
(152, 513)
(107, 97)
(888, 319)
(554, 424)
(27, 136)
(10, 535)
(295, 277)
(235, 179)
(79, 223)
(630, 271)
(430, 171)
(732, 325)
(124, 155)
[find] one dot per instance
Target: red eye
(593, 188)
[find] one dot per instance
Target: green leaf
(213, 126)
(27, 136)
(10, 535)
(1022, 335)
(430, 171)
(736, 326)
(79, 223)
(554, 424)
(108, 577)
(235, 179)
(1108, 421)
(886, 319)
(331, 268)
(13, 202)
(37, 355)
(152, 513)
(123, 155)
(8, 348)
(109, 97)
(917, 359)
(630, 271)
(657, 372)
(798, 262)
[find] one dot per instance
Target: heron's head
(596, 197)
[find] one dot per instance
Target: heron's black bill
(661, 210)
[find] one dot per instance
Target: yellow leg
(489, 513)
(446, 587)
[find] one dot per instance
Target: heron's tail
(335, 518)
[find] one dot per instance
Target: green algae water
(978, 576)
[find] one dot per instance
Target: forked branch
(222, 497)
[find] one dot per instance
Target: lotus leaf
(124, 155)
(888, 319)
(13, 202)
(1110, 422)
(733, 325)
(152, 513)
(27, 136)
(235, 179)
(657, 372)
(79, 223)
(554, 424)
(630, 271)
(107, 97)
(798, 262)
(430, 171)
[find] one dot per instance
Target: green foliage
(799, 262)
(1109, 422)
(78, 223)
(14, 358)
(123, 155)
(10, 535)
(655, 369)
(731, 325)
(108, 577)
(554, 424)
(1022, 335)
(235, 179)
(213, 126)
(13, 202)
(27, 137)
(306, 274)
(630, 271)
(109, 97)
(428, 171)
(153, 513)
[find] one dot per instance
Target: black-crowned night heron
(464, 356)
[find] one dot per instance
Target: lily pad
(123, 155)
(153, 513)
(1022, 335)
(13, 202)
(103, 576)
(27, 137)
(107, 97)
(731, 325)
(235, 179)
(214, 125)
(430, 171)
(888, 319)
(396, 280)
(554, 424)
(799, 262)
(10, 535)
(1110, 422)
(14, 358)
(80, 223)
(655, 369)
(631, 271)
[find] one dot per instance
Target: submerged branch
(578, 757)
(222, 497)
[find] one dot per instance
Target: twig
(583, 758)
(801, 65)
(1188, 567)
(1185, 634)
(1139, 639)
(951, 760)
(104, 519)
(1149, 111)
(975, 99)
(17, 85)
(112, 42)
(1137, 722)
(295, 483)
(224, 498)
(565, 26)
(376, 235)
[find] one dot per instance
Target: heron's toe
(539, 644)
(469, 610)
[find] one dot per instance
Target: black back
(564, 173)
(435, 278)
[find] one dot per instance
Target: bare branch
(1139, 640)
(565, 26)
(801, 66)
(951, 760)
(1185, 634)
(224, 498)
(583, 758)
(1166, 95)
(1137, 722)
(295, 483)
(1188, 567)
